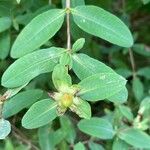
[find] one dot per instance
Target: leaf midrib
(31, 67)
(97, 87)
(91, 19)
(100, 127)
(45, 112)
(29, 39)
(133, 137)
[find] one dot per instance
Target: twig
(132, 62)
(3, 98)
(21, 137)
(68, 25)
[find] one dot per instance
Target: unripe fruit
(66, 100)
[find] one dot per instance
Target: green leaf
(145, 1)
(78, 45)
(126, 112)
(120, 97)
(101, 86)
(9, 145)
(18, 1)
(145, 72)
(5, 23)
(95, 146)
(79, 146)
(81, 107)
(126, 73)
(4, 44)
(98, 22)
(97, 127)
(135, 137)
(21, 101)
(40, 114)
(138, 89)
(68, 128)
(37, 32)
(5, 128)
(61, 77)
(119, 145)
(85, 66)
(44, 135)
(28, 67)
(141, 49)
(66, 60)
(145, 105)
(58, 136)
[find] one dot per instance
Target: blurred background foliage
(133, 64)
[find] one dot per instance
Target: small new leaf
(119, 144)
(126, 112)
(81, 107)
(18, 1)
(5, 23)
(78, 45)
(79, 146)
(66, 60)
(138, 89)
(5, 128)
(61, 78)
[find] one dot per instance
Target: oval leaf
(79, 146)
(5, 128)
(4, 44)
(61, 77)
(138, 89)
(39, 114)
(95, 146)
(85, 66)
(20, 101)
(81, 107)
(45, 140)
(101, 86)
(135, 138)
(5, 23)
(37, 32)
(145, 72)
(28, 67)
(126, 112)
(98, 22)
(119, 145)
(97, 127)
(141, 49)
(120, 97)
(68, 128)
(78, 45)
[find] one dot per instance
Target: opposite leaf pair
(92, 88)
(44, 111)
